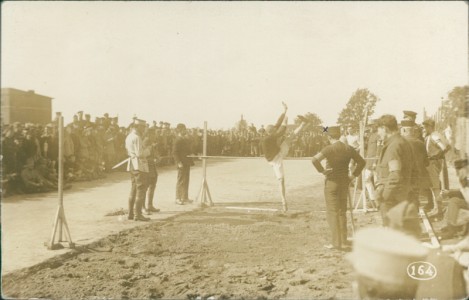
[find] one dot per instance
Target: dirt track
(214, 252)
(217, 252)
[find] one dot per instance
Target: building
(25, 107)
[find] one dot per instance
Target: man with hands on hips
(338, 156)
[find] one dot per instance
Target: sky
(190, 62)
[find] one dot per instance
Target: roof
(9, 90)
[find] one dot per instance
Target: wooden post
(362, 199)
(60, 221)
(204, 197)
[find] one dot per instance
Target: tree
(312, 118)
(360, 102)
(454, 106)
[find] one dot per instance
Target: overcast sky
(191, 61)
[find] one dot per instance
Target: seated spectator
(32, 181)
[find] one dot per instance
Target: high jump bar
(251, 157)
(244, 157)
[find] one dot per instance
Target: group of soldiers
(402, 162)
(418, 153)
(143, 157)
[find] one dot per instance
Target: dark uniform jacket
(181, 149)
(394, 170)
(420, 178)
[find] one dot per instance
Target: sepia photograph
(209, 150)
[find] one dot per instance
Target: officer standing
(338, 156)
(394, 166)
(436, 149)
(138, 168)
(181, 149)
(420, 180)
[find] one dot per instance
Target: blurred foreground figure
(380, 258)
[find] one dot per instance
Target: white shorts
(277, 162)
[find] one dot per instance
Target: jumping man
(276, 145)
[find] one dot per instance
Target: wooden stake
(362, 199)
(204, 196)
(60, 221)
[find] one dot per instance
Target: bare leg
(281, 183)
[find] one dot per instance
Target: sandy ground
(219, 252)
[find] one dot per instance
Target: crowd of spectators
(92, 148)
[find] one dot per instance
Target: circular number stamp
(421, 270)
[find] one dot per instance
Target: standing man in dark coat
(394, 168)
(338, 156)
(420, 180)
(181, 149)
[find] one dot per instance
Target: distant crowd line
(91, 149)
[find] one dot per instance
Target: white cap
(384, 254)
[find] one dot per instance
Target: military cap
(429, 122)
(139, 121)
(407, 123)
(384, 254)
(180, 127)
(410, 114)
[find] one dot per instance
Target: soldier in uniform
(138, 168)
(149, 142)
(412, 116)
(420, 180)
(394, 166)
(181, 149)
(338, 156)
(436, 148)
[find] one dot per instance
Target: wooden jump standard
(60, 222)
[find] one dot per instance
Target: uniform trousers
(182, 185)
(152, 180)
(139, 181)
(335, 193)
